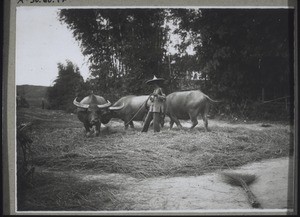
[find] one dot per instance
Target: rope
(138, 110)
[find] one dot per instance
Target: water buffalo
(135, 109)
(94, 110)
(188, 105)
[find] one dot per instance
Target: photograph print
(155, 109)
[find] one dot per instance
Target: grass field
(62, 156)
(33, 94)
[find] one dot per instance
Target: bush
(69, 81)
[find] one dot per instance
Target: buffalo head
(94, 110)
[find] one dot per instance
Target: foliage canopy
(235, 54)
(66, 85)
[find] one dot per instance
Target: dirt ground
(207, 192)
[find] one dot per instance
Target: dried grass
(169, 153)
(59, 145)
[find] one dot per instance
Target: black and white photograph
(154, 109)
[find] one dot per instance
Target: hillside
(33, 94)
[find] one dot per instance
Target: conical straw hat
(154, 80)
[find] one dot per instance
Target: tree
(237, 53)
(241, 51)
(124, 46)
(66, 87)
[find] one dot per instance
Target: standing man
(156, 109)
(43, 103)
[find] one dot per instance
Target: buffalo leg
(87, 129)
(204, 117)
(193, 117)
(131, 124)
(126, 125)
(175, 119)
(97, 131)
(171, 123)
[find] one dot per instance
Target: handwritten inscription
(40, 1)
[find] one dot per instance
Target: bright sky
(42, 42)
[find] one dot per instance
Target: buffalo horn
(78, 104)
(104, 105)
(116, 107)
